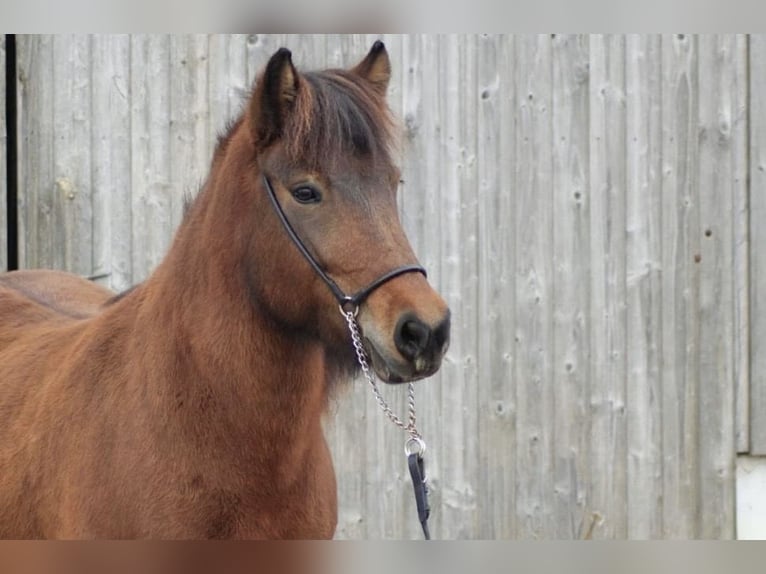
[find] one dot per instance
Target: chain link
(361, 355)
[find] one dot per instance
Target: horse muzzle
(420, 349)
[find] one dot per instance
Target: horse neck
(244, 376)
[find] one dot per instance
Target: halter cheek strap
(346, 302)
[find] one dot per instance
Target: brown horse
(191, 405)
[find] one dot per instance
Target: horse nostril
(412, 337)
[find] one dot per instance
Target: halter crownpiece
(346, 302)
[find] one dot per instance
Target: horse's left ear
(376, 67)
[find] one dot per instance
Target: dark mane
(339, 115)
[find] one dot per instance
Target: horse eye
(306, 194)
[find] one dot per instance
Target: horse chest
(306, 512)
(307, 509)
(299, 504)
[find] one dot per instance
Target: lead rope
(415, 446)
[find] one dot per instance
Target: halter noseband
(346, 302)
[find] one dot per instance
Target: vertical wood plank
(458, 221)
(55, 208)
(111, 161)
(497, 399)
(228, 83)
(757, 244)
(466, 310)
(571, 270)
(741, 239)
(190, 149)
(3, 167)
(717, 88)
(608, 341)
(680, 287)
(71, 223)
(36, 150)
(152, 201)
(643, 222)
(534, 289)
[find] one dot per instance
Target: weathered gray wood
(571, 272)
(495, 252)
(643, 235)
(458, 217)
(111, 161)
(72, 113)
(741, 238)
(680, 287)
(35, 111)
(3, 167)
(228, 82)
(55, 210)
(150, 152)
(608, 441)
(533, 226)
(190, 146)
(757, 244)
(717, 113)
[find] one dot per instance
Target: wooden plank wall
(582, 203)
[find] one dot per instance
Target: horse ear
(273, 99)
(376, 67)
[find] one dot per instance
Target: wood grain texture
(458, 218)
(757, 265)
(717, 190)
(111, 161)
(36, 152)
(151, 165)
(680, 286)
(55, 208)
(571, 271)
(740, 128)
(643, 237)
(608, 342)
(496, 310)
(582, 202)
(533, 225)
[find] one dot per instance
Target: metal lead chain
(361, 355)
(415, 447)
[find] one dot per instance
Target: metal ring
(343, 310)
(419, 442)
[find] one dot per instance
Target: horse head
(324, 146)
